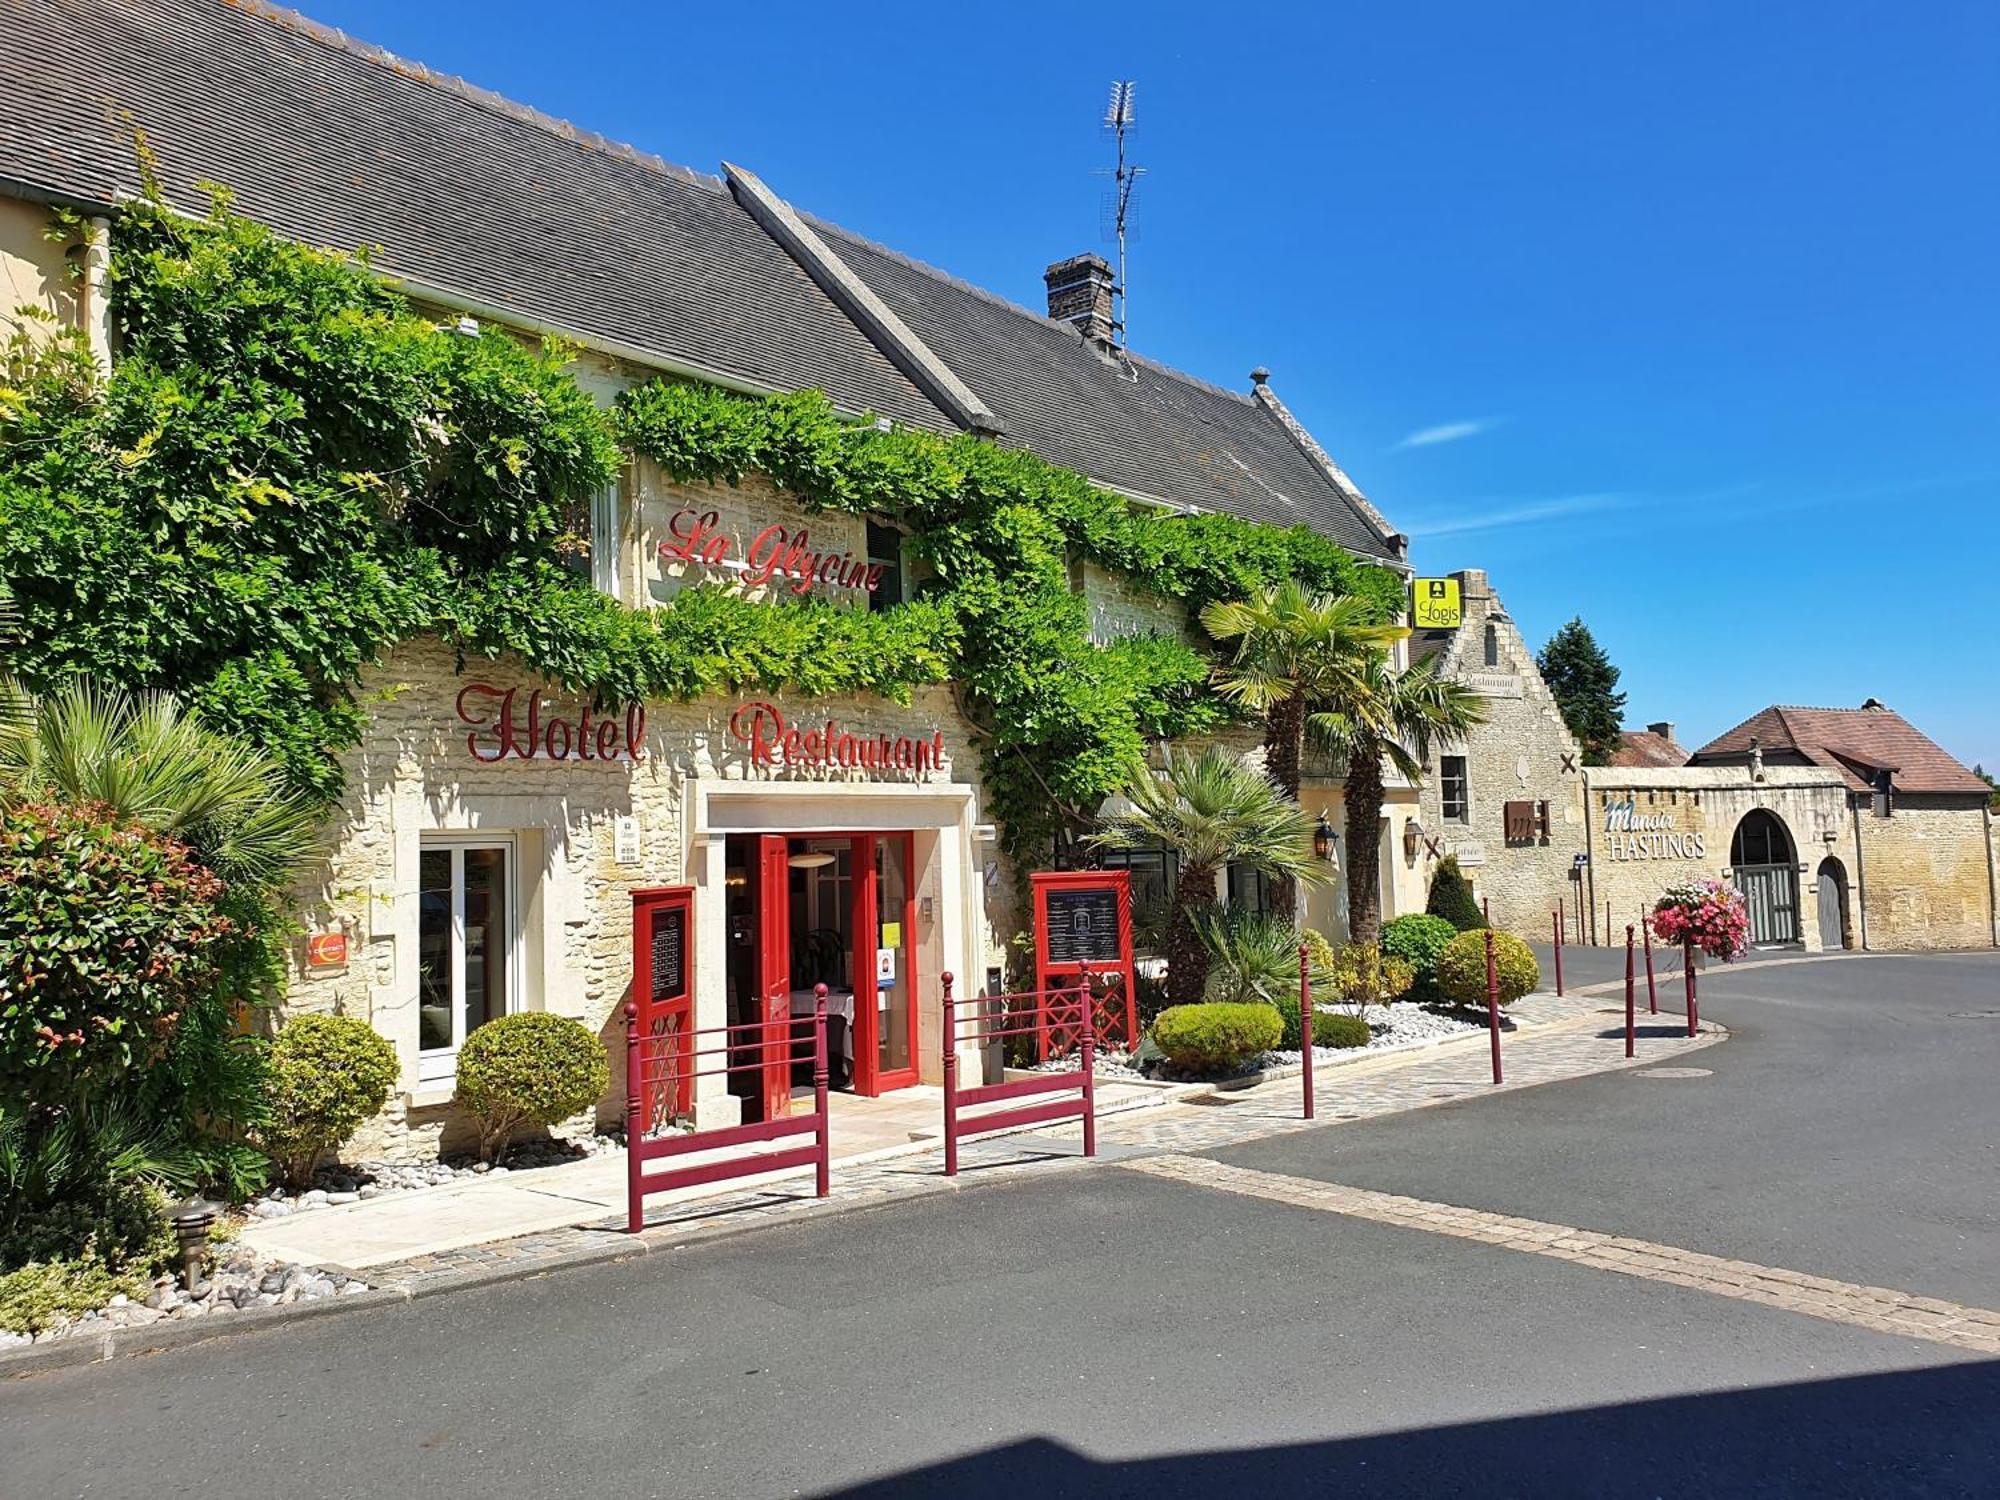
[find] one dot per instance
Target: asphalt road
(1103, 1333)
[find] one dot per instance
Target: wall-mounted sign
(1435, 604)
(774, 742)
(625, 840)
(774, 553)
(509, 723)
(1631, 834)
(1082, 927)
(1083, 922)
(326, 950)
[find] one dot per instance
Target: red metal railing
(995, 1018)
(666, 1068)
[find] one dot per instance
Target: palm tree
(1400, 716)
(146, 759)
(1211, 811)
(1293, 649)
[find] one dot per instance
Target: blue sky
(1677, 317)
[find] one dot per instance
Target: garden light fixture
(192, 1218)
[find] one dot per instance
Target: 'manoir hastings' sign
(1631, 834)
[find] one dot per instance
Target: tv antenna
(1118, 120)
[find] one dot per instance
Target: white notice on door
(885, 967)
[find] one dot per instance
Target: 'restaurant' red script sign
(507, 722)
(773, 742)
(774, 553)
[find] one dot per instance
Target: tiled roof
(470, 196)
(1128, 423)
(1642, 747)
(336, 144)
(1852, 741)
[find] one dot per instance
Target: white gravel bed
(1105, 1065)
(356, 1182)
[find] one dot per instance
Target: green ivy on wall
(289, 471)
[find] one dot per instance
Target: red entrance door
(774, 970)
(885, 947)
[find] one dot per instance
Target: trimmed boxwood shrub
(1452, 899)
(327, 1075)
(1462, 968)
(529, 1069)
(1419, 940)
(1331, 1028)
(1216, 1037)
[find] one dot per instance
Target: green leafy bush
(1363, 977)
(1216, 1038)
(529, 1069)
(107, 934)
(1419, 939)
(46, 1293)
(1462, 968)
(1451, 897)
(327, 1075)
(1332, 1028)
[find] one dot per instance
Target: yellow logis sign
(1435, 604)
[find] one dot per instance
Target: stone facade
(1523, 753)
(1927, 872)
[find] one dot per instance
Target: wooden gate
(1770, 894)
(1832, 906)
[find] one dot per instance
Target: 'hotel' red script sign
(774, 552)
(505, 726)
(773, 742)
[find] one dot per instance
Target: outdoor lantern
(192, 1219)
(1412, 831)
(1323, 837)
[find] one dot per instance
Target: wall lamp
(1324, 838)
(1412, 832)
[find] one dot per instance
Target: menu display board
(1081, 927)
(669, 953)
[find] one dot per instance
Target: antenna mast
(1118, 120)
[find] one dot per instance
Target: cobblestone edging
(1882, 1309)
(1556, 1040)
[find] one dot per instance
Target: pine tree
(1452, 898)
(1585, 685)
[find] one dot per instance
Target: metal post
(1306, 1025)
(1493, 1003)
(1630, 1001)
(1607, 924)
(1089, 1024)
(1562, 922)
(1559, 951)
(635, 1125)
(950, 1081)
(1687, 963)
(1652, 992)
(824, 1177)
(1486, 909)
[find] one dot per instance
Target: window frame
(1464, 779)
(606, 538)
(440, 1064)
(894, 566)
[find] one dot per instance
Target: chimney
(1664, 729)
(1080, 291)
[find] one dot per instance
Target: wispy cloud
(1447, 432)
(1527, 513)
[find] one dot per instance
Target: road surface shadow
(1916, 1432)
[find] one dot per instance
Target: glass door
(885, 979)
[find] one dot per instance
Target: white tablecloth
(838, 1003)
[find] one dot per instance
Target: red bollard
(635, 1125)
(1486, 910)
(1493, 1003)
(950, 1080)
(1559, 951)
(1607, 924)
(1630, 1004)
(1694, 1014)
(1306, 1025)
(1087, 1021)
(1652, 994)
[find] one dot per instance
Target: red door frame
(870, 1078)
(774, 971)
(664, 1015)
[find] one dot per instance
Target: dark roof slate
(340, 145)
(1852, 741)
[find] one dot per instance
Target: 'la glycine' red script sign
(505, 726)
(773, 742)
(774, 553)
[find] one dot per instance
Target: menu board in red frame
(1083, 921)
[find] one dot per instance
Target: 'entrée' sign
(774, 553)
(773, 742)
(505, 726)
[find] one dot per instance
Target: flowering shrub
(1708, 913)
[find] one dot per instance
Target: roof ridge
(339, 41)
(985, 294)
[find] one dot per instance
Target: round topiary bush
(529, 1069)
(1418, 939)
(1216, 1037)
(1332, 1028)
(327, 1074)
(1461, 971)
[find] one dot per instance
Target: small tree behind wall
(1452, 898)
(1585, 685)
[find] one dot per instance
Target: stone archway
(1763, 862)
(1835, 929)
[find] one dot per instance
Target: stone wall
(1927, 875)
(1119, 607)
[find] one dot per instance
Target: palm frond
(1213, 810)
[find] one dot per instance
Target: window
(1492, 645)
(1454, 788)
(465, 946)
(604, 540)
(1155, 872)
(885, 551)
(1249, 890)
